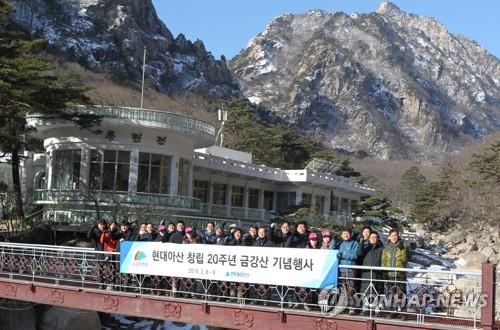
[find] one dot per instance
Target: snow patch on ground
(255, 100)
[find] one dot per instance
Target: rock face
(108, 36)
(391, 84)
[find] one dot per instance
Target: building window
(334, 203)
(219, 194)
(285, 200)
(237, 196)
(183, 186)
(306, 200)
(109, 170)
(320, 203)
(253, 198)
(268, 200)
(200, 190)
(344, 205)
(66, 169)
(154, 173)
(354, 205)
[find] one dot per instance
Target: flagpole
(143, 75)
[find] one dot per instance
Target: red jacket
(108, 241)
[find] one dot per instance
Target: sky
(226, 26)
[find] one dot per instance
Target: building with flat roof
(155, 165)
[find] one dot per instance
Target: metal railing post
(488, 274)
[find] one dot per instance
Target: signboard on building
(274, 266)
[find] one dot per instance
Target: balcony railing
(451, 298)
(45, 196)
(234, 212)
(162, 117)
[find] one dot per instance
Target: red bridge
(86, 279)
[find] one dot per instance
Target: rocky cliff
(108, 36)
(388, 83)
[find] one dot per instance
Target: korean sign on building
(273, 266)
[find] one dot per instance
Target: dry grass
(105, 91)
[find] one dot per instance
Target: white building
(157, 164)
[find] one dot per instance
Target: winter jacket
(371, 256)
(221, 239)
(348, 252)
(177, 237)
(106, 239)
(395, 255)
(94, 234)
(263, 242)
(278, 238)
(209, 238)
(236, 242)
(194, 240)
(297, 240)
(249, 240)
(147, 237)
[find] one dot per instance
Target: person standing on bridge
(300, 237)
(395, 255)
(348, 256)
(371, 281)
(279, 238)
(209, 236)
(94, 234)
(178, 236)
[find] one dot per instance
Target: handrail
(137, 114)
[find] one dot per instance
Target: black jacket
(371, 257)
(249, 240)
(235, 242)
(297, 240)
(278, 238)
(263, 242)
(94, 234)
(177, 237)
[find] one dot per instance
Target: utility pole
(143, 75)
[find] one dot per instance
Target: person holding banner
(251, 236)
(209, 236)
(178, 236)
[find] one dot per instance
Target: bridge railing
(417, 295)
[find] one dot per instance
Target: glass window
(66, 169)
(237, 196)
(344, 205)
(334, 203)
(268, 200)
(285, 200)
(183, 186)
(253, 198)
(320, 203)
(154, 173)
(200, 190)
(306, 199)
(354, 205)
(219, 194)
(109, 170)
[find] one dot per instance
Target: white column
(298, 197)
(174, 175)
(84, 167)
(210, 195)
(229, 192)
(261, 198)
(134, 171)
(245, 200)
(49, 164)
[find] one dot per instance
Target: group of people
(367, 249)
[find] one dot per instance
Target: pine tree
(487, 164)
(346, 169)
(28, 85)
(412, 182)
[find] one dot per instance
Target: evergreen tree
(346, 169)
(28, 85)
(487, 164)
(412, 182)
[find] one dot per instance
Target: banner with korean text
(274, 266)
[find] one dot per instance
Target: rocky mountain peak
(387, 7)
(388, 83)
(109, 36)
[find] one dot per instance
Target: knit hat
(189, 230)
(326, 233)
(161, 228)
(313, 235)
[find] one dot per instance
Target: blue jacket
(349, 252)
